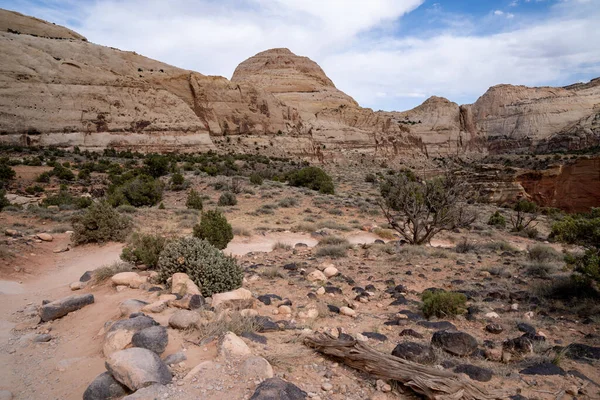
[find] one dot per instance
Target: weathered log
(430, 382)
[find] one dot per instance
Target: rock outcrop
(57, 89)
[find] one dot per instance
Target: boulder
(330, 271)
(543, 369)
(77, 285)
(137, 368)
(131, 279)
(154, 339)
(104, 387)
(456, 343)
(580, 351)
(152, 392)
(188, 302)
(181, 284)
(278, 389)
(60, 308)
(87, 276)
(414, 352)
(347, 311)
(156, 307)
(136, 323)
(234, 295)
(494, 328)
(232, 346)
(184, 319)
(116, 341)
(257, 368)
(46, 237)
(474, 372)
(131, 306)
(316, 275)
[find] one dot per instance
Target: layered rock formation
(58, 89)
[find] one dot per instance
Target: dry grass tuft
(106, 272)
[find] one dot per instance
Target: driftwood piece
(430, 382)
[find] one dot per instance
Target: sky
(387, 54)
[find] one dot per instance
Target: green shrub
(583, 230)
(64, 198)
(227, 199)
(465, 247)
(63, 173)
(35, 189)
(443, 304)
(156, 165)
(194, 201)
(256, 179)
(100, 223)
(177, 179)
(3, 200)
(141, 191)
(497, 220)
(44, 177)
(214, 228)
(161, 206)
(288, 202)
(143, 249)
(313, 178)
(6, 174)
(208, 267)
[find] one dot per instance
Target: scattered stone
(316, 275)
(474, 372)
(136, 323)
(291, 266)
(375, 336)
(60, 308)
(333, 309)
(156, 307)
(104, 387)
(520, 345)
(131, 306)
(543, 369)
(234, 295)
(257, 368)
(131, 279)
(43, 338)
(347, 311)
(184, 319)
(181, 284)
(330, 271)
(285, 310)
(232, 346)
(254, 337)
(77, 285)
(46, 237)
(523, 327)
(12, 233)
(414, 352)
(438, 325)
(492, 315)
(456, 343)
(62, 249)
(326, 386)
(278, 389)
(321, 291)
(494, 328)
(266, 324)
(579, 351)
(333, 290)
(411, 332)
(137, 368)
(154, 339)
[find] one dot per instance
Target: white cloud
(353, 40)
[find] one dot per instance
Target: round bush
(100, 223)
(209, 268)
(214, 227)
(194, 201)
(227, 199)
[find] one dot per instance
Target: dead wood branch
(430, 382)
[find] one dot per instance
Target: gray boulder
(474, 372)
(131, 306)
(104, 387)
(278, 389)
(60, 308)
(133, 324)
(414, 352)
(456, 343)
(154, 339)
(137, 368)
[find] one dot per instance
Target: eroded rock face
(60, 90)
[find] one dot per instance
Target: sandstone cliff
(58, 89)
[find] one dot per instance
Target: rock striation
(57, 89)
